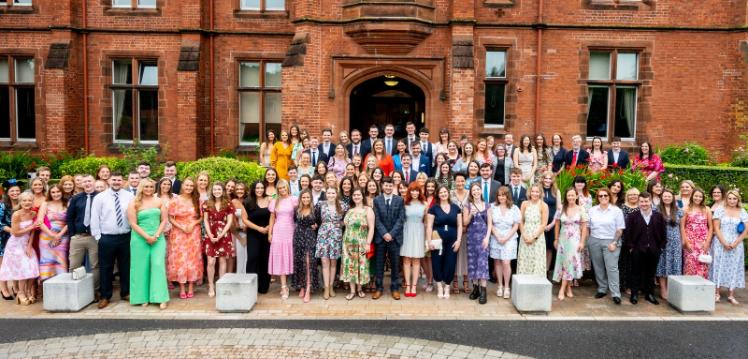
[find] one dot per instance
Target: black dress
(304, 246)
(551, 201)
(258, 248)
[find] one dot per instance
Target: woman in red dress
(648, 162)
(218, 215)
(384, 160)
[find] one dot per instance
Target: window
(135, 100)
(612, 89)
(142, 4)
(17, 105)
(259, 100)
(263, 5)
(15, 3)
(495, 87)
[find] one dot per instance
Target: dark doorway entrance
(386, 99)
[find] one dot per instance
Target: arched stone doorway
(383, 99)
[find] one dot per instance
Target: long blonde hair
(138, 201)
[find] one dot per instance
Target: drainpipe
(86, 145)
(538, 60)
(212, 85)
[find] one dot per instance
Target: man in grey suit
(489, 186)
(389, 211)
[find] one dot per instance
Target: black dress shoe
(634, 299)
(599, 295)
(475, 294)
(617, 300)
(651, 298)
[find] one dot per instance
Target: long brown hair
(224, 201)
(64, 198)
(195, 194)
(301, 207)
(504, 190)
(672, 218)
(565, 201)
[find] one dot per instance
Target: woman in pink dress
(337, 163)
(20, 262)
(598, 156)
(184, 259)
(53, 239)
(648, 162)
(696, 232)
(280, 236)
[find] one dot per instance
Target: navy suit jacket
(558, 160)
(428, 150)
(363, 150)
(320, 156)
(425, 165)
(623, 159)
(583, 157)
(389, 221)
(176, 186)
(330, 152)
(522, 195)
(393, 150)
(413, 174)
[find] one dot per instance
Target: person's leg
(636, 273)
(92, 249)
(308, 279)
(507, 273)
(450, 261)
(393, 250)
(333, 270)
(597, 249)
(326, 276)
(139, 271)
(649, 273)
(663, 287)
(611, 269)
(222, 266)
(381, 250)
(437, 266)
(406, 273)
(414, 274)
(123, 264)
(211, 275)
(106, 254)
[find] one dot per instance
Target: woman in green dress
(359, 232)
(147, 215)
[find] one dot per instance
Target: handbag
(370, 253)
(741, 227)
(705, 258)
(436, 242)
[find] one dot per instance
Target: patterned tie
(118, 210)
(87, 212)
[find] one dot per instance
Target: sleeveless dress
(551, 201)
(53, 260)
(185, 260)
(355, 266)
(16, 264)
(413, 231)
(568, 259)
(280, 158)
(671, 259)
(330, 234)
(238, 233)
(224, 246)
(280, 260)
(727, 269)
(696, 228)
(258, 248)
(525, 164)
(531, 257)
(596, 161)
(148, 261)
(461, 267)
(477, 257)
(304, 244)
(503, 221)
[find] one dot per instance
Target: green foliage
(685, 154)
(90, 164)
(226, 153)
(132, 155)
(739, 157)
(597, 180)
(17, 164)
(222, 169)
(706, 177)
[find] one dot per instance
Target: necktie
(574, 160)
(388, 203)
(118, 210)
(389, 145)
(407, 175)
(87, 212)
(355, 150)
(314, 158)
(485, 191)
(516, 192)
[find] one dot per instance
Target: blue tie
(118, 210)
(485, 191)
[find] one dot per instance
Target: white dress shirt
(104, 215)
(605, 223)
(615, 155)
(415, 163)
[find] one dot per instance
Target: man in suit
(318, 189)
(314, 152)
(576, 155)
(644, 238)
(390, 143)
(389, 211)
(133, 180)
(489, 186)
(409, 175)
(170, 172)
(82, 243)
(356, 147)
(519, 192)
(509, 145)
(617, 157)
(144, 169)
(419, 161)
(373, 136)
(410, 136)
(427, 148)
(327, 147)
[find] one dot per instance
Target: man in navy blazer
(356, 146)
(327, 147)
(427, 148)
(519, 192)
(315, 154)
(373, 136)
(419, 161)
(389, 211)
(390, 143)
(409, 175)
(582, 156)
(617, 157)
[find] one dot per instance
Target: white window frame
(503, 78)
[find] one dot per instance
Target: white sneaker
(439, 290)
(507, 293)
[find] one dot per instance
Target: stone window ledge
(18, 9)
(256, 14)
(500, 3)
(618, 4)
(116, 11)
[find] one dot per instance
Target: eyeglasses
(603, 196)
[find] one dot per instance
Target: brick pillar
(462, 83)
(183, 130)
(301, 95)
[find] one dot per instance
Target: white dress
(503, 221)
(413, 233)
(727, 269)
(525, 164)
(241, 251)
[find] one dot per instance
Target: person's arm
(543, 219)
(206, 223)
(522, 221)
(467, 214)
(379, 224)
(556, 231)
(228, 225)
(534, 161)
(683, 233)
(369, 226)
(70, 215)
(515, 158)
(710, 230)
(718, 233)
(40, 220)
(15, 227)
(429, 229)
(273, 155)
(583, 234)
(132, 217)
(456, 245)
(605, 160)
(397, 229)
(271, 223)
(489, 223)
(164, 220)
(96, 207)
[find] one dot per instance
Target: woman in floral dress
(330, 237)
(359, 232)
(53, 238)
(478, 218)
(571, 235)
(531, 253)
(671, 259)
(696, 233)
(305, 277)
(727, 270)
(218, 216)
(184, 263)
(20, 262)
(598, 156)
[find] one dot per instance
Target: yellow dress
(280, 159)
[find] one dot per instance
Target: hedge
(222, 169)
(706, 177)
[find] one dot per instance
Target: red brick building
(201, 76)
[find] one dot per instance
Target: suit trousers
(605, 265)
(391, 249)
(114, 247)
(80, 245)
(443, 265)
(643, 268)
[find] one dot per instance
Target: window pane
(25, 119)
(597, 111)
(626, 66)
(148, 115)
(625, 112)
(249, 74)
(24, 71)
(4, 73)
(599, 66)
(496, 64)
(275, 5)
(147, 3)
(250, 4)
(148, 74)
(122, 72)
(22, 2)
(121, 3)
(122, 114)
(273, 74)
(249, 116)
(273, 111)
(494, 104)
(4, 112)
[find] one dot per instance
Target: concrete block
(236, 292)
(64, 294)
(531, 293)
(690, 293)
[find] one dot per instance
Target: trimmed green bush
(685, 154)
(90, 164)
(706, 177)
(222, 169)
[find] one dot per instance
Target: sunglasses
(603, 196)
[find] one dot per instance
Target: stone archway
(386, 99)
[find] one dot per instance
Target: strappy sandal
(361, 294)
(732, 300)
(350, 296)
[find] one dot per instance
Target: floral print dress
(568, 259)
(224, 246)
(728, 269)
(531, 257)
(696, 229)
(330, 234)
(671, 259)
(477, 256)
(355, 266)
(184, 261)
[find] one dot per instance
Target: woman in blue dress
(444, 218)
(730, 228)
(671, 259)
(479, 223)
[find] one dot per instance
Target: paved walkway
(425, 306)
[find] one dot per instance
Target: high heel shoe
(22, 301)
(9, 297)
(284, 292)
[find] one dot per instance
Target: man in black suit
(315, 155)
(327, 147)
(419, 161)
(373, 136)
(427, 148)
(409, 175)
(489, 186)
(390, 143)
(356, 147)
(410, 136)
(519, 192)
(170, 172)
(318, 190)
(644, 238)
(576, 155)
(617, 157)
(389, 211)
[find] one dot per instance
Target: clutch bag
(741, 227)
(79, 273)
(705, 258)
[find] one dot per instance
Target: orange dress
(184, 258)
(386, 164)
(280, 159)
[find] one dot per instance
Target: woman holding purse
(445, 220)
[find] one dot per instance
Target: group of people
(451, 211)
